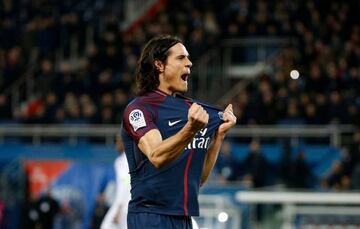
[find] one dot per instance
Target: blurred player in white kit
(116, 217)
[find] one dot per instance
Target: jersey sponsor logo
(173, 123)
(203, 131)
(199, 141)
(137, 119)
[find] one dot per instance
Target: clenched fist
(198, 118)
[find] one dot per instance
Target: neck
(164, 90)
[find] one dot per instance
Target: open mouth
(185, 76)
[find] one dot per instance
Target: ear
(160, 66)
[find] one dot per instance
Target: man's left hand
(229, 121)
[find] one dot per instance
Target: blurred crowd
(293, 170)
(82, 62)
(326, 54)
(79, 59)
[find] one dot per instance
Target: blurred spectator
(286, 163)
(353, 115)
(316, 82)
(226, 165)
(354, 151)
(14, 66)
(242, 108)
(5, 108)
(106, 116)
(337, 109)
(51, 104)
(32, 214)
(100, 210)
(88, 108)
(292, 116)
(45, 76)
(312, 116)
(322, 107)
(120, 102)
(116, 216)
(352, 162)
(255, 166)
(69, 215)
(48, 208)
(337, 180)
(355, 178)
(300, 172)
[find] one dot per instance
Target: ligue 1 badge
(137, 119)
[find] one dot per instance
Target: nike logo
(173, 123)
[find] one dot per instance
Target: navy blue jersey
(172, 189)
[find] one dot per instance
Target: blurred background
(291, 68)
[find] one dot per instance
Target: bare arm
(214, 148)
(161, 152)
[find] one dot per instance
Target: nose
(189, 63)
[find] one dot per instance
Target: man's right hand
(198, 118)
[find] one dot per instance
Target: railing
(295, 204)
(72, 133)
(217, 211)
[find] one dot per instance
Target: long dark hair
(147, 74)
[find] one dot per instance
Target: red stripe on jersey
(188, 102)
(186, 182)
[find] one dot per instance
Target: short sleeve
(138, 120)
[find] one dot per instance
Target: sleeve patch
(137, 119)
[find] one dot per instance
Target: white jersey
(116, 217)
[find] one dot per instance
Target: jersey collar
(158, 91)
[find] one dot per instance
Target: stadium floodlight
(223, 217)
(294, 74)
